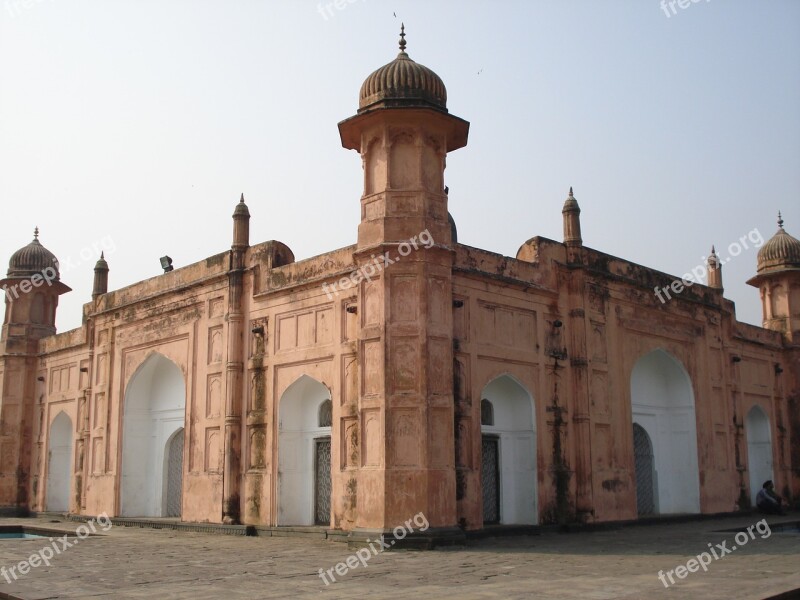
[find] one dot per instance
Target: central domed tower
(403, 132)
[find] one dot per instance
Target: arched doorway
(645, 471)
(304, 454)
(662, 404)
(152, 440)
(759, 449)
(508, 453)
(59, 466)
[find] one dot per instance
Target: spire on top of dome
(780, 220)
(402, 38)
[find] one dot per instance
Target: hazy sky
(135, 125)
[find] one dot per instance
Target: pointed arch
(59, 463)
(508, 463)
(662, 403)
(759, 449)
(154, 410)
(304, 454)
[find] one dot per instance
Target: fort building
(404, 374)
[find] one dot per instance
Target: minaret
(231, 503)
(32, 287)
(403, 132)
(714, 270)
(571, 214)
(100, 286)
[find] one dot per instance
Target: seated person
(767, 501)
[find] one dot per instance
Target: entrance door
(174, 474)
(322, 482)
(643, 457)
(490, 480)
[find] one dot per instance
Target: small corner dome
(782, 251)
(32, 259)
(403, 82)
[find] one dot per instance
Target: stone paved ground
(608, 564)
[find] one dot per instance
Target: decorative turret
(778, 279)
(572, 221)
(100, 286)
(571, 214)
(241, 225)
(714, 270)
(234, 367)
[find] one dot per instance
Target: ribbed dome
(781, 251)
(403, 82)
(31, 259)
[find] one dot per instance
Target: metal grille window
(322, 508)
(643, 457)
(175, 475)
(490, 481)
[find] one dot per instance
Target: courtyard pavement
(624, 562)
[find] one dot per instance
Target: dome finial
(780, 220)
(570, 192)
(36, 233)
(402, 37)
(242, 198)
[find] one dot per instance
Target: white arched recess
(662, 403)
(759, 449)
(298, 433)
(514, 427)
(59, 466)
(155, 407)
